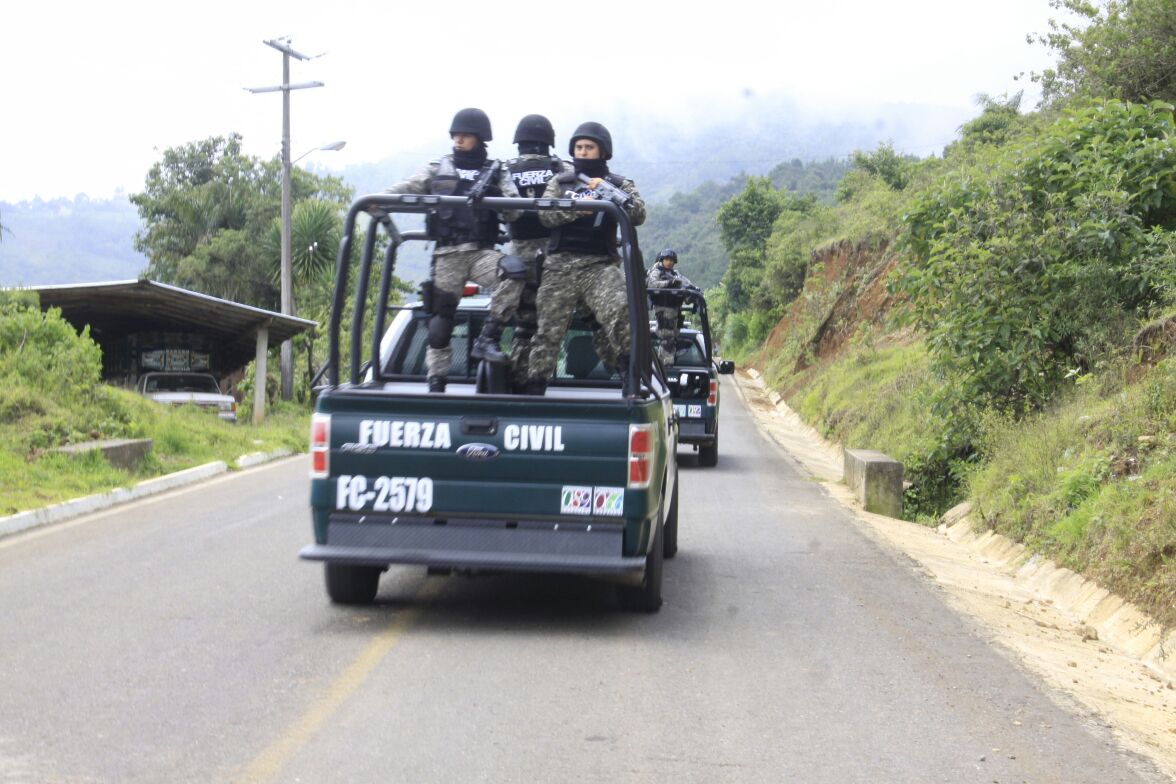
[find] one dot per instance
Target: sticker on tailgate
(608, 501)
(581, 500)
(575, 500)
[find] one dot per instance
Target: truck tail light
(640, 455)
(320, 446)
(713, 398)
(471, 290)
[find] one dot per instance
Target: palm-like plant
(315, 227)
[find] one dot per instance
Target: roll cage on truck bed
(693, 376)
(582, 479)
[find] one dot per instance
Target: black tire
(347, 584)
(670, 534)
(708, 454)
(647, 597)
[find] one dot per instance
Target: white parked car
(199, 389)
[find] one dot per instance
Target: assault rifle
(483, 183)
(609, 191)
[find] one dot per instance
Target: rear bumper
(531, 546)
(695, 432)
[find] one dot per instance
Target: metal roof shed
(119, 310)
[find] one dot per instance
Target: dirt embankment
(844, 296)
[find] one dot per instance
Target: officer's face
(464, 142)
(586, 148)
(668, 263)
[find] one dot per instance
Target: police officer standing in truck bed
(663, 283)
(530, 172)
(464, 239)
(582, 265)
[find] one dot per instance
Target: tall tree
(207, 209)
(745, 224)
(1124, 49)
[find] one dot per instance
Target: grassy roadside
(51, 395)
(1089, 482)
(35, 476)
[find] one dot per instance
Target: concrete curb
(1116, 620)
(1082, 600)
(66, 510)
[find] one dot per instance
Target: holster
(427, 296)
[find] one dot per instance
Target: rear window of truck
(578, 359)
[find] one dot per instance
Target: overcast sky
(91, 93)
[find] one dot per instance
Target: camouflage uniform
(590, 280)
(455, 264)
(527, 316)
(667, 309)
(528, 249)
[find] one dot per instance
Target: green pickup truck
(694, 375)
(581, 479)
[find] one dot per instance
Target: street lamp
(331, 146)
(283, 46)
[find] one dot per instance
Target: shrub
(1019, 262)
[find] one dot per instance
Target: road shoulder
(1048, 618)
(76, 507)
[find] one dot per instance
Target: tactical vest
(458, 225)
(583, 235)
(664, 296)
(530, 175)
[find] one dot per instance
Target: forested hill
(683, 172)
(667, 157)
(687, 222)
(68, 241)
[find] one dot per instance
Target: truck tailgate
(481, 482)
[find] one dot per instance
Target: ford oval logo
(478, 451)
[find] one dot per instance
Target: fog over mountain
(85, 240)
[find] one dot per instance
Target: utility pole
(287, 273)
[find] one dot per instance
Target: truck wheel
(647, 596)
(348, 584)
(708, 454)
(671, 528)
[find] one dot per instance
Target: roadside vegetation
(1000, 317)
(51, 396)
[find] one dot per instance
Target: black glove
(675, 283)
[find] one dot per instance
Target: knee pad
(512, 267)
(445, 303)
(440, 330)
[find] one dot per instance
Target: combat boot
(436, 383)
(486, 345)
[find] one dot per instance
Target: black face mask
(470, 159)
(593, 167)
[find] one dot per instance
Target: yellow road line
(269, 763)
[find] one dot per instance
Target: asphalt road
(179, 639)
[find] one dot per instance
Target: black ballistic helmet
(472, 121)
(535, 128)
(597, 133)
(668, 253)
